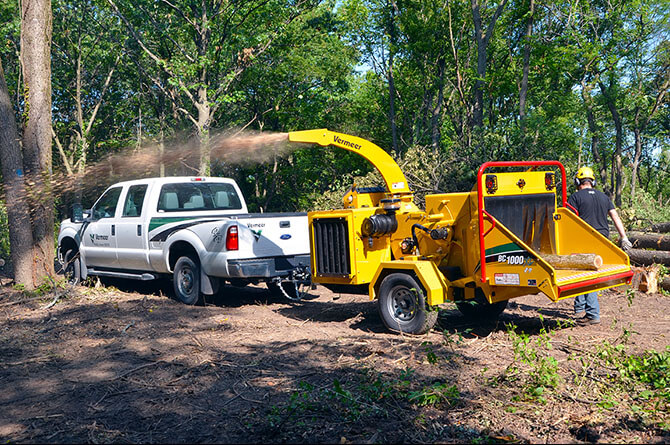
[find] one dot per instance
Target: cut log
(646, 278)
(665, 284)
(661, 227)
(649, 240)
(579, 261)
(649, 257)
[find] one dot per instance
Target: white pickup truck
(196, 229)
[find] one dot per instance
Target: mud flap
(208, 285)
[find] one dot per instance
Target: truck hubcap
(186, 280)
(403, 303)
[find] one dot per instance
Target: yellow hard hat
(585, 173)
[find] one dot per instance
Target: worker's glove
(626, 245)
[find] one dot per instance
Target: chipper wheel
(402, 305)
(479, 309)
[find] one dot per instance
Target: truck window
(200, 196)
(106, 205)
(134, 200)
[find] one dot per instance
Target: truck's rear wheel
(186, 279)
(479, 308)
(402, 305)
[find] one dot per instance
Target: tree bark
(36, 29)
(661, 227)
(18, 212)
(579, 261)
(649, 257)
(649, 240)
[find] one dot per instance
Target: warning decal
(507, 278)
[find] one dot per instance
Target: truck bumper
(266, 267)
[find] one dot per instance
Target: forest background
(442, 85)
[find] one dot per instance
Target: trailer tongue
(484, 246)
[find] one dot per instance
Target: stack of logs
(650, 249)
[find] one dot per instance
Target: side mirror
(77, 214)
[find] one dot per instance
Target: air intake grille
(331, 240)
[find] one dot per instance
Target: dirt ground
(126, 363)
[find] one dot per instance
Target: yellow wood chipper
(478, 249)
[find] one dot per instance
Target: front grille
(331, 242)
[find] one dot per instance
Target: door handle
(139, 230)
(113, 229)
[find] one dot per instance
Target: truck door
(132, 250)
(99, 237)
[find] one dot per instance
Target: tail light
(491, 184)
(232, 240)
(550, 180)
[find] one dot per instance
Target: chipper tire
(479, 309)
(186, 280)
(402, 305)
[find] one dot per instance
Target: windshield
(198, 196)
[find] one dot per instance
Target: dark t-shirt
(593, 207)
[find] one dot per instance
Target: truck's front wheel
(402, 305)
(72, 267)
(186, 279)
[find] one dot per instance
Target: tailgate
(273, 234)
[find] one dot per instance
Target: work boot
(585, 321)
(579, 315)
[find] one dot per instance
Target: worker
(593, 206)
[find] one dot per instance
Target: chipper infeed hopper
(506, 238)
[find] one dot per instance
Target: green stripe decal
(503, 248)
(157, 222)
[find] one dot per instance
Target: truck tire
(186, 280)
(402, 305)
(479, 309)
(72, 267)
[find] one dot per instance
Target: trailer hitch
(296, 284)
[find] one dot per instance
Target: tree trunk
(661, 227)
(580, 261)
(665, 284)
(636, 157)
(649, 257)
(649, 240)
(204, 119)
(478, 114)
(36, 29)
(392, 90)
(18, 212)
(617, 166)
(523, 90)
(594, 129)
(482, 38)
(437, 111)
(646, 279)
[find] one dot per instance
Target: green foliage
(542, 373)
(371, 395)
(643, 211)
(442, 394)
